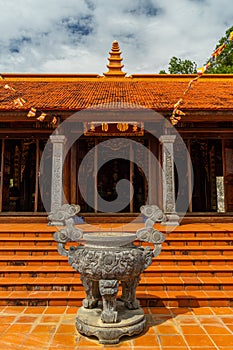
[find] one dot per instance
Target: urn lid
(108, 238)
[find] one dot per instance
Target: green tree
(162, 72)
(223, 64)
(179, 66)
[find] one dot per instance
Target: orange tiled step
(146, 283)
(187, 230)
(24, 260)
(194, 268)
(197, 250)
(196, 260)
(27, 241)
(183, 230)
(45, 240)
(29, 250)
(146, 298)
(160, 260)
(171, 250)
(219, 270)
(65, 270)
(192, 260)
(172, 237)
(29, 271)
(177, 234)
(202, 241)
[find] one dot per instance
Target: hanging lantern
(41, 117)
(122, 126)
(8, 87)
(32, 112)
(104, 126)
(135, 127)
(19, 102)
(85, 129)
(54, 121)
(92, 127)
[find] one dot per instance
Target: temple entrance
(118, 169)
(19, 175)
(228, 174)
(19, 162)
(208, 187)
(111, 172)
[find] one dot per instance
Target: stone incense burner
(105, 259)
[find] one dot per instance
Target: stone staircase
(194, 269)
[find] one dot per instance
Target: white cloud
(76, 35)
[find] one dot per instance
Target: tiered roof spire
(115, 66)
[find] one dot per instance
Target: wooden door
(228, 174)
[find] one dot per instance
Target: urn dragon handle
(65, 216)
(148, 233)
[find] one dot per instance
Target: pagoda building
(37, 108)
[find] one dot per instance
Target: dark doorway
(207, 163)
(19, 175)
(109, 174)
(115, 170)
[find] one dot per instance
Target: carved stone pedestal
(130, 322)
(172, 220)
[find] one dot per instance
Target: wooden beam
(131, 177)
(2, 173)
(66, 177)
(153, 171)
(73, 174)
(206, 130)
(189, 178)
(37, 175)
(160, 181)
(95, 177)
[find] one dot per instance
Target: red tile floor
(53, 328)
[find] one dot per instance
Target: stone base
(131, 322)
(172, 220)
(55, 223)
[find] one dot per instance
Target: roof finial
(115, 66)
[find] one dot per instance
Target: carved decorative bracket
(149, 234)
(70, 233)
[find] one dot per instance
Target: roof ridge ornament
(115, 66)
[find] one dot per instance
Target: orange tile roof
(76, 92)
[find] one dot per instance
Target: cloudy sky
(76, 35)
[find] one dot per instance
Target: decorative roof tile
(76, 92)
